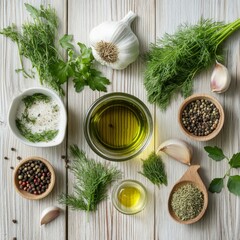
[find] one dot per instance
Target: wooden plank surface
(155, 17)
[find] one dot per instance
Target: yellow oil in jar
(129, 196)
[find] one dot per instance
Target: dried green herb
(153, 169)
(44, 136)
(187, 202)
(92, 180)
(176, 59)
(233, 183)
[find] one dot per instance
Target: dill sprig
(153, 169)
(175, 60)
(92, 181)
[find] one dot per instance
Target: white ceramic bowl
(63, 117)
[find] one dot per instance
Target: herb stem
(227, 31)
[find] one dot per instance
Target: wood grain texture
(12, 205)
(107, 223)
(155, 17)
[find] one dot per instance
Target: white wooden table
(78, 17)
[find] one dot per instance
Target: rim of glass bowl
(103, 152)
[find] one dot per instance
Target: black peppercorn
(14, 221)
(31, 176)
(200, 117)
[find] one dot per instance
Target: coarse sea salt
(45, 114)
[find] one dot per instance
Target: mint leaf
(216, 185)
(235, 160)
(35, 13)
(234, 184)
(65, 42)
(215, 153)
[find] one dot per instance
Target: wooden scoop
(190, 176)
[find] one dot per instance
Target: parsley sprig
(233, 183)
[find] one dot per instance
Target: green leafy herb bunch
(92, 182)
(38, 41)
(233, 182)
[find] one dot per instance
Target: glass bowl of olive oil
(118, 126)
(129, 197)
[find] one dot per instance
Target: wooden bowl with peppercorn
(201, 117)
(34, 178)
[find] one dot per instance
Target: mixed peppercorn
(200, 117)
(34, 177)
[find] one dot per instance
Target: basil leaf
(234, 184)
(235, 160)
(65, 42)
(216, 185)
(215, 153)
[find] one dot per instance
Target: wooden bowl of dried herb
(201, 117)
(188, 199)
(34, 178)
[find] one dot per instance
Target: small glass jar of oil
(118, 126)
(129, 197)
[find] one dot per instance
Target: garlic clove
(178, 150)
(49, 214)
(220, 79)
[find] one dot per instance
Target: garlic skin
(49, 214)
(220, 79)
(114, 44)
(177, 149)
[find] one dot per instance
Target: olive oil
(129, 196)
(119, 126)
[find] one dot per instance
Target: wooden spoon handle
(191, 174)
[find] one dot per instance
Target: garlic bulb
(220, 79)
(177, 149)
(114, 44)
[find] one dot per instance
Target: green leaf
(35, 13)
(97, 82)
(215, 153)
(86, 53)
(62, 71)
(79, 83)
(235, 160)
(65, 42)
(234, 184)
(216, 185)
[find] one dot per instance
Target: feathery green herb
(92, 181)
(233, 183)
(175, 60)
(36, 42)
(153, 169)
(44, 136)
(31, 99)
